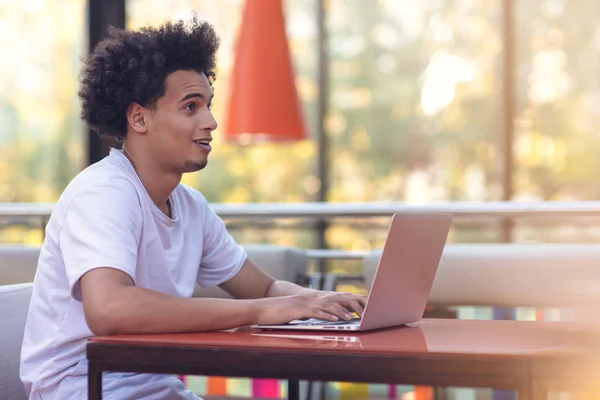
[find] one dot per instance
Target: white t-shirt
(105, 218)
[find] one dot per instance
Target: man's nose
(209, 123)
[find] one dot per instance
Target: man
(126, 242)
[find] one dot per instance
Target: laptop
(403, 279)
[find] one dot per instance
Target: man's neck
(158, 183)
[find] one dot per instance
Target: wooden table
(530, 357)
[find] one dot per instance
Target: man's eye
(190, 106)
(209, 106)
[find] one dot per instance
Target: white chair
(18, 263)
(14, 301)
(512, 275)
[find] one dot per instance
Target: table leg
(309, 390)
(293, 390)
(94, 382)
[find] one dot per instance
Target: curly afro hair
(131, 66)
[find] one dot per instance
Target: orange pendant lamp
(263, 103)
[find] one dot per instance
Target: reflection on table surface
(434, 336)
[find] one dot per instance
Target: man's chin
(194, 166)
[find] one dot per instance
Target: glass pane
(557, 141)
(41, 137)
(415, 100)
(42, 140)
(556, 129)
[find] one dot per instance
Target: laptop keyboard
(316, 321)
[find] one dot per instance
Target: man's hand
(279, 302)
(329, 306)
(356, 301)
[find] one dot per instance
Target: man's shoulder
(96, 197)
(104, 180)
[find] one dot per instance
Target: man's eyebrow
(192, 95)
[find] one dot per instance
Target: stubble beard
(190, 165)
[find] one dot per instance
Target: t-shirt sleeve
(222, 257)
(101, 228)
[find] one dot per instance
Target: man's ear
(136, 118)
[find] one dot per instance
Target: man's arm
(114, 305)
(252, 283)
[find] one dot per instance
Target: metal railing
(356, 210)
(265, 212)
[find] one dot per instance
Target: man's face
(182, 123)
